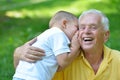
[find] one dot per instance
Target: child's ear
(64, 23)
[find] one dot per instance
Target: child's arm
(66, 58)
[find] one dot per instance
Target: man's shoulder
(111, 51)
(115, 54)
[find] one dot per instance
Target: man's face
(91, 32)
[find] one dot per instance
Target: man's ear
(64, 23)
(106, 36)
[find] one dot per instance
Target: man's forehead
(90, 18)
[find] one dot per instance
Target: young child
(56, 43)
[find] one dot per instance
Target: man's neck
(94, 59)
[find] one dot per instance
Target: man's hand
(27, 53)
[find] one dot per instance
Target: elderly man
(95, 62)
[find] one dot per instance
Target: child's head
(65, 21)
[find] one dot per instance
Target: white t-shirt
(54, 42)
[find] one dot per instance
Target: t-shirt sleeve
(60, 44)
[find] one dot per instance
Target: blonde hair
(61, 15)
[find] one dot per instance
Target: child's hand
(74, 42)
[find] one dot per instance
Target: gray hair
(104, 20)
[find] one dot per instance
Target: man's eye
(93, 27)
(81, 28)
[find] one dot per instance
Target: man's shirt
(80, 69)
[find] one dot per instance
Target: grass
(21, 20)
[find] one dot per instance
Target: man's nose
(87, 30)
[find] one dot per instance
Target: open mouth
(86, 39)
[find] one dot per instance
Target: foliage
(22, 20)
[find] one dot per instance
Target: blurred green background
(21, 20)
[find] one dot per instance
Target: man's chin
(87, 47)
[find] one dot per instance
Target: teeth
(87, 39)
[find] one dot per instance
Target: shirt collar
(106, 54)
